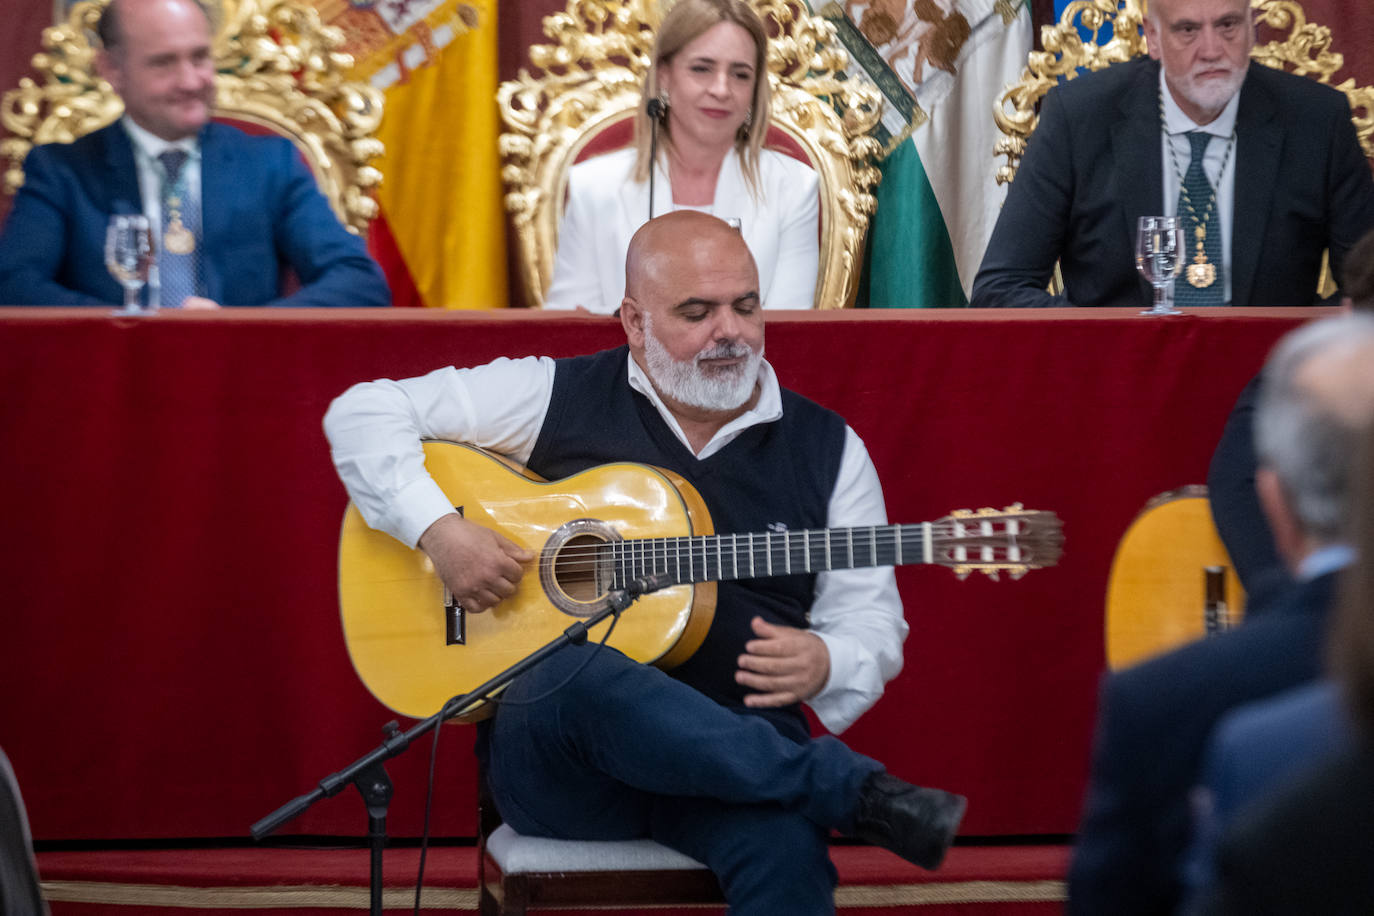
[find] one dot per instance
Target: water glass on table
(129, 257)
(1159, 256)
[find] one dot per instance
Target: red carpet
(997, 881)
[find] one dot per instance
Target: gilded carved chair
(277, 72)
(1114, 33)
(586, 88)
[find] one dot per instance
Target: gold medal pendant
(178, 239)
(1202, 273)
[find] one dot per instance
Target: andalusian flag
(941, 66)
(441, 236)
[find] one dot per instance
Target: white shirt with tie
(147, 147)
(1177, 126)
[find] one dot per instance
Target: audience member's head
(691, 311)
(157, 56)
(697, 41)
(1352, 637)
(1204, 48)
(1317, 399)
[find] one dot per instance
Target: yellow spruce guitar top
(1168, 561)
(414, 648)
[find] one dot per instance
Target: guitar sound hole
(582, 568)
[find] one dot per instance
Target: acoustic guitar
(414, 647)
(1171, 580)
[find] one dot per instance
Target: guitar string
(742, 543)
(882, 533)
(657, 551)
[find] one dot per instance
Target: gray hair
(1309, 435)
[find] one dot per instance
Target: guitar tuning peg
(992, 574)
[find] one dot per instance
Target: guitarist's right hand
(479, 566)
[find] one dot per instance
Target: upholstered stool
(516, 873)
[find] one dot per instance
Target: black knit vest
(773, 474)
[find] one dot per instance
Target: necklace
(1201, 273)
(176, 237)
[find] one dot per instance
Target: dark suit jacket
(1308, 850)
(260, 208)
(1093, 168)
(1235, 505)
(1154, 720)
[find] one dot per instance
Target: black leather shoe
(916, 823)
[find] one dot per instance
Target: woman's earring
(748, 123)
(663, 104)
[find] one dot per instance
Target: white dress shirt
(1176, 127)
(375, 431)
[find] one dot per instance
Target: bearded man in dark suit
(1263, 168)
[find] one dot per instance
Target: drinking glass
(129, 257)
(1159, 256)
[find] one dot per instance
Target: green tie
(1197, 209)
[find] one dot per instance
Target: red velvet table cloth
(172, 663)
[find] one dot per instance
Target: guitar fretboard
(711, 558)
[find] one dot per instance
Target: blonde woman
(710, 78)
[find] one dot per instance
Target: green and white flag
(941, 66)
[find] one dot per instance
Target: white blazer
(605, 207)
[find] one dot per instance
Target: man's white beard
(723, 388)
(1211, 95)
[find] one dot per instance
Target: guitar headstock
(1013, 540)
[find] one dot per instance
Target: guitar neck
(712, 558)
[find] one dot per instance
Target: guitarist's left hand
(785, 665)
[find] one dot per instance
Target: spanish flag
(441, 234)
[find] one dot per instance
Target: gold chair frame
(277, 68)
(1305, 49)
(590, 78)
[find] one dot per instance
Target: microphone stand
(370, 777)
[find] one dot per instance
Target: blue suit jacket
(1154, 720)
(1306, 850)
(1256, 750)
(1093, 167)
(261, 211)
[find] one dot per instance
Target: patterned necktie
(179, 272)
(1197, 190)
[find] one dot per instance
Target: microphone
(651, 583)
(620, 598)
(656, 111)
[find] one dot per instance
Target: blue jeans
(625, 751)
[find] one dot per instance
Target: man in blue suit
(1155, 718)
(231, 213)
(1263, 168)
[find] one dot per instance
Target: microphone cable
(656, 111)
